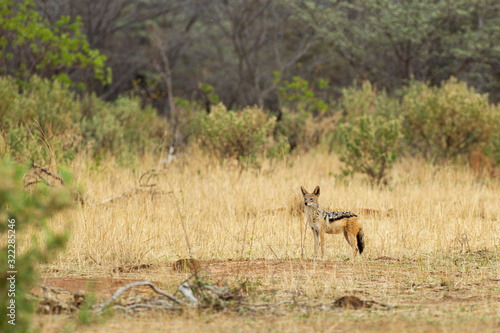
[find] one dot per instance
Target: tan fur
(322, 222)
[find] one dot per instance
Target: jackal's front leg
(322, 240)
(316, 237)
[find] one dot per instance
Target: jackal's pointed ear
(316, 191)
(304, 191)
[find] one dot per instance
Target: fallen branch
(39, 174)
(188, 293)
(136, 284)
(197, 293)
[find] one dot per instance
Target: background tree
(118, 29)
(389, 42)
(30, 45)
(236, 45)
(261, 41)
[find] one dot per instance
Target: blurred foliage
(439, 123)
(47, 122)
(369, 136)
(390, 42)
(447, 121)
(369, 144)
(303, 118)
(492, 148)
(295, 128)
(30, 45)
(209, 91)
(29, 210)
(241, 135)
(297, 95)
(386, 42)
(122, 125)
(366, 99)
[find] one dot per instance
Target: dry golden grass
(436, 233)
(233, 214)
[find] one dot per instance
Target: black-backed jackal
(322, 222)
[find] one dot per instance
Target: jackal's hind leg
(347, 237)
(354, 244)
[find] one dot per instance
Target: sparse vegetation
(268, 87)
(432, 238)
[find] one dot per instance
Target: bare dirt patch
(310, 292)
(100, 285)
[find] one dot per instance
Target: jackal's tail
(361, 241)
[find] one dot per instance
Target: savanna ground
(432, 246)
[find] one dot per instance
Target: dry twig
(136, 284)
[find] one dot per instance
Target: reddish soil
(382, 278)
(401, 293)
(102, 286)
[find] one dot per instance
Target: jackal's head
(311, 199)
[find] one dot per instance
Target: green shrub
(27, 211)
(45, 121)
(303, 118)
(29, 46)
(293, 127)
(369, 145)
(240, 135)
(301, 129)
(41, 121)
(369, 138)
(356, 102)
(122, 126)
(297, 95)
(448, 121)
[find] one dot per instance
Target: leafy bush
(26, 211)
(492, 148)
(369, 137)
(301, 130)
(293, 126)
(369, 145)
(447, 121)
(303, 118)
(122, 126)
(47, 121)
(356, 102)
(41, 122)
(29, 46)
(228, 134)
(297, 95)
